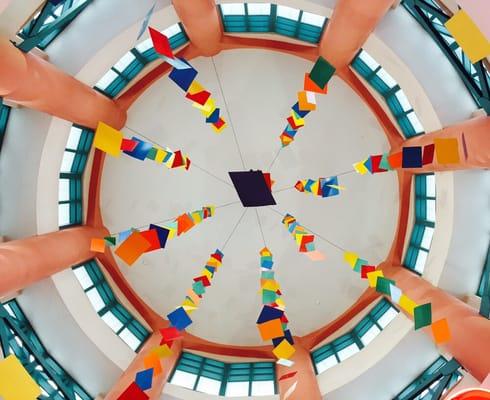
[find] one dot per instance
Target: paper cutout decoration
(144, 379)
(97, 245)
(447, 151)
(422, 315)
(146, 21)
(315, 82)
(132, 248)
(184, 75)
(287, 376)
(479, 12)
(290, 391)
(133, 392)
(324, 187)
(252, 188)
(469, 36)
(111, 141)
(285, 363)
(304, 239)
(15, 381)
(440, 331)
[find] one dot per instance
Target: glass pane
(64, 214)
(370, 61)
(259, 8)
(386, 78)
(233, 9)
(67, 161)
(402, 98)
(370, 335)
(348, 352)
(263, 388)
(124, 61)
(112, 321)
(312, 19)
(83, 277)
(209, 386)
(74, 138)
(95, 299)
(431, 210)
(326, 364)
(421, 259)
(427, 238)
(184, 379)
(106, 80)
(234, 389)
(414, 120)
(288, 12)
(64, 190)
(430, 185)
(144, 45)
(131, 340)
(172, 30)
(387, 317)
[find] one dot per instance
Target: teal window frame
(4, 118)
(441, 375)
(421, 225)
(111, 304)
(354, 337)
(484, 288)
(51, 20)
(19, 338)
(141, 58)
(225, 373)
(476, 77)
(74, 177)
(272, 23)
(389, 93)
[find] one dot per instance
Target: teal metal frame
(4, 117)
(49, 23)
(19, 338)
(225, 372)
(430, 385)
(475, 77)
(484, 288)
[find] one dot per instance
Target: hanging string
(338, 247)
(228, 112)
(234, 229)
(274, 160)
(193, 162)
(260, 227)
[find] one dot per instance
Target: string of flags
(422, 313)
(323, 187)
(445, 150)
(112, 142)
(304, 239)
(314, 82)
(134, 243)
(183, 75)
(179, 321)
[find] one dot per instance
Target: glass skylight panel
(95, 299)
(233, 8)
(106, 80)
(209, 386)
(288, 12)
(431, 210)
(326, 364)
(67, 161)
(172, 30)
(368, 60)
(83, 277)
(235, 389)
(370, 335)
(144, 45)
(427, 237)
(74, 138)
(387, 317)
(64, 214)
(402, 98)
(414, 120)
(64, 190)
(430, 183)
(348, 352)
(259, 8)
(58, 10)
(421, 259)
(111, 320)
(131, 340)
(386, 78)
(184, 379)
(263, 388)
(312, 19)
(125, 60)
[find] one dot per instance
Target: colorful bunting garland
(315, 82)
(324, 187)
(305, 240)
(422, 314)
(179, 321)
(112, 142)
(133, 243)
(183, 74)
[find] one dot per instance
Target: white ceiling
(259, 87)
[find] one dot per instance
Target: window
(352, 342)
(425, 217)
(218, 378)
(396, 100)
(476, 77)
(484, 288)
(49, 22)
(105, 303)
(71, 173)
(434, 382)
(4, 117)
(133, 62)
(18, 337)
(267, 17)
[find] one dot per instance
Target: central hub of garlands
(254, 188)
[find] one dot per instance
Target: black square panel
(252, 188)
